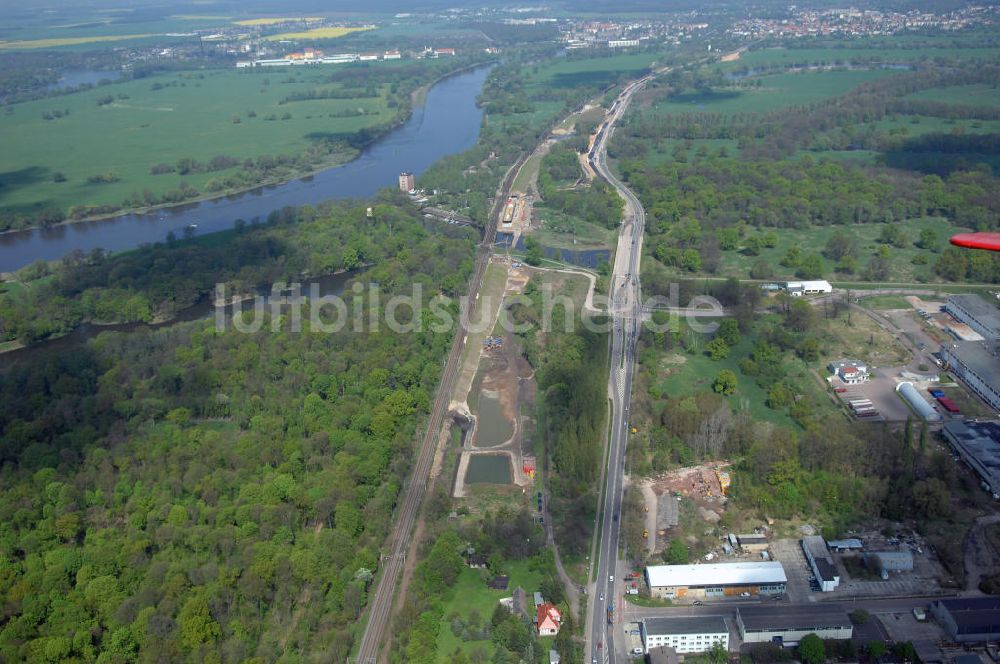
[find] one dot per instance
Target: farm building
(979, 314)
(788, 624)
(978, 443)
(821, 563)
(718, 580)
(970, 619)
(685, 633)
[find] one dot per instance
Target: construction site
(704, 487)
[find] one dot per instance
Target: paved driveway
(789, 553)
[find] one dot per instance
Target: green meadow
(775, 91)
(848, 54)
(159, 120)
(971, 95)
(600, 71)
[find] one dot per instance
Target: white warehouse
(685, 633)
(800, 288)
(719, 580)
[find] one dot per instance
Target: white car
(611, 578)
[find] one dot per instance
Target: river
(448, 123)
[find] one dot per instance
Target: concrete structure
(979, 314)
(890, 561)
(717, 580)
(978, 443)
(407, 182)
(821, 563)
(788, 624)
(547, 620)
(850, 544)
(912, 396)
(969, 620)
(799, 288)
(977, 364)
(752, 543)
(685, 633)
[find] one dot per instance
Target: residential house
(548, 620)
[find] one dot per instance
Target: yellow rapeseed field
(318, 33)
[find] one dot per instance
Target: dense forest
(190, 495)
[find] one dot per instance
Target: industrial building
(821, 563)
(917, 402)
(978, 443)
(977, 364)
(718, 580)
(979, 314)
(788, 624)
(685, 633)
(849, 544)
(800, 288)
(969, 619)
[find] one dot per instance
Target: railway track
(371, 650)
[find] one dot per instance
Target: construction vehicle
(635, 430)
(723, 481)
(645, 533)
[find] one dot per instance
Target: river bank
(447, 123)
(341, 155)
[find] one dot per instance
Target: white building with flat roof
(799, 288)
(685, 633)
(716, 580)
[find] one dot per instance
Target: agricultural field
(973, 95)
(70, 27)
(768, 57)
(775, 91)
(126, 128)
(315, 33)
(255, 22)
(593, 71)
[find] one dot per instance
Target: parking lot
(881, 390)
(789, 553)
(925, 636)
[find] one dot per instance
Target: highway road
(380, 606)
(625, 311)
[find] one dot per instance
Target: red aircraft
(987, 241)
